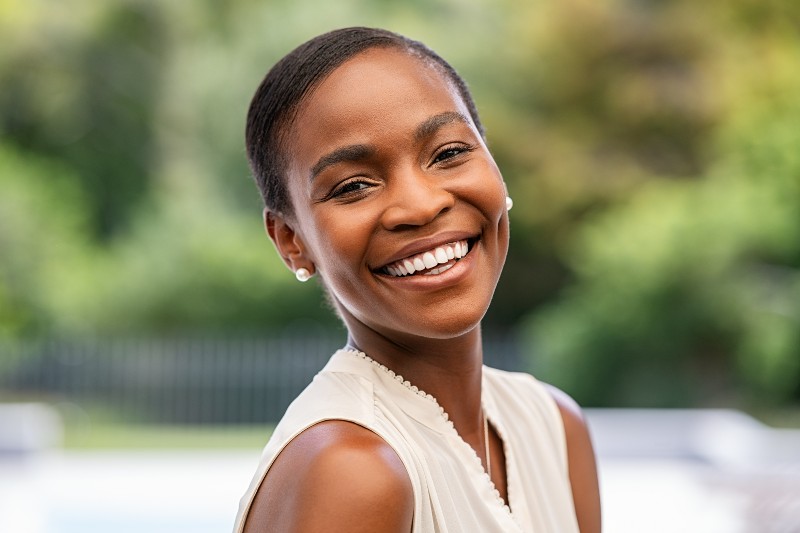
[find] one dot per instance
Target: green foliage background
(652, 150)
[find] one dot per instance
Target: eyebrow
(359, 152)
(432, 124)
(353, 152)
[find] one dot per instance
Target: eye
(350, 188)
(450, 152)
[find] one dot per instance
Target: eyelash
(341, 190)
(458, 149)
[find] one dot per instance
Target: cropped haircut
(276, 101)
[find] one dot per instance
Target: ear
(288, 243)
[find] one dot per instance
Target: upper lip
(426, 244)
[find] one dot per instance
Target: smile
(432, 262)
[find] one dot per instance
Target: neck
(448, 369)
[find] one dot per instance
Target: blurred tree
(43, 245)
(84, 93)
(645, 144)
(689, 292)
(596, 100)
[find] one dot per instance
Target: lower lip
(421, 282)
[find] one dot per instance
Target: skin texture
(385, 163)
(356, 481)
(582, 465)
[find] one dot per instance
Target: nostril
(413, 209)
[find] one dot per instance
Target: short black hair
(276, 101)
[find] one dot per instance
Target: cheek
(340, 242)
(491, 200)
(498, 199)
(489, 193)
(321, 233)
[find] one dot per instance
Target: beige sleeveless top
(452, 492)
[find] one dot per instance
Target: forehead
(376, 94)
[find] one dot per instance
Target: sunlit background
(150, 337)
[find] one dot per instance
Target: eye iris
(447, 154)
(352, 187)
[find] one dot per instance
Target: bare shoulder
(334, 476)
(582, 463)
(574, 421)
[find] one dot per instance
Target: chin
(451, 329)
(441, 325)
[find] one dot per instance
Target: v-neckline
(426, 409)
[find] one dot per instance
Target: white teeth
(437, 270)
(429, 261)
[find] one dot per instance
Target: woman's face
(386, 170)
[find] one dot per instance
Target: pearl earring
(302, 274)
(509, 203)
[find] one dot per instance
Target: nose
(416, 199)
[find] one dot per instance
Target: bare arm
(335, 476)
(582, 465)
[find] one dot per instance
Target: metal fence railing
(215, 380)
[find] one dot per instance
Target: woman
(370, 156)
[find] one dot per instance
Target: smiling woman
(376, 178)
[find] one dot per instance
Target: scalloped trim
(476, 463)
